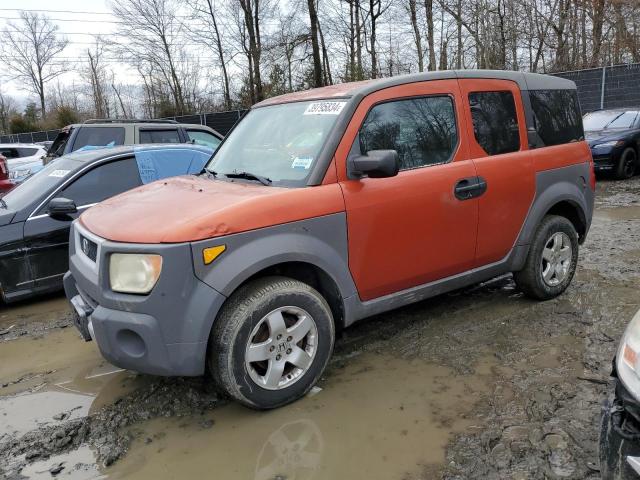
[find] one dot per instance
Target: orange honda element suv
(328, 206)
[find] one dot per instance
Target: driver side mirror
(61, 206)
(375, 164)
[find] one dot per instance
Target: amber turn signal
(211, 253)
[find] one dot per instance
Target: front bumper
(605, 160)
(620, 436)
(163, 333)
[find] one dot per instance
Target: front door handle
(470, 187)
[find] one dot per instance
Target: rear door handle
(470, 187)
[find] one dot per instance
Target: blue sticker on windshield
(302, 162)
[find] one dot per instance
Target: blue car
(614, 138)
(36, 215)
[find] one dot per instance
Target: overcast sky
(78, 28)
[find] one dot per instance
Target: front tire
(271, 342)
(552, 259)
(627, 164)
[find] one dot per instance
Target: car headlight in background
(627, 364)
(134, 272)
(612, 144)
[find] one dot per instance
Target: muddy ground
(481, 383)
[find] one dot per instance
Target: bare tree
(29, 49)
(153, 34)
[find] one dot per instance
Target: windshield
(612, 119)
(40, 184)
(280, 142)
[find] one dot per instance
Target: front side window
(91, 137)
(495, 122)
(557, 116)
(103, 181)
(159, 136)
(422, 130)
(204, 138)
(279, 142)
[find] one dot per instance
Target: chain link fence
(222, 122)
(615, 86)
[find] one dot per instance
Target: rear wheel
(627, 164)
(552, 259)
(271, 342)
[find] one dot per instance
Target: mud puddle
(34, 317)
(379, 417)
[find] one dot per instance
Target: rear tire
(552, 259)
(271, 342)
(627, 165)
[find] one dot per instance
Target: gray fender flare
(320, 241)
(569, 185)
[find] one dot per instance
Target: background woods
(167, 57)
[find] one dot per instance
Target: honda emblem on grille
(85, 246)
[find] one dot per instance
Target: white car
(23, 159)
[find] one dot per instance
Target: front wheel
(552, 259)
(271, 342)
(627, 164)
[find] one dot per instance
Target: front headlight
(616, 143)
(134, 272)
(627, 363)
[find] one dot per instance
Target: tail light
(3, 165)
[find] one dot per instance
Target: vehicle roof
(101, 153)
(526, 81)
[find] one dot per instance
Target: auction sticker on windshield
(304, 162)
(325, 108)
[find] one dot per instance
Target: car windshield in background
(609, 120)
(98, 137)
(279, 142)
(40, 183)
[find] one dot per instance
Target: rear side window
(27, 152)
(495, 122)
(557, 118)
(422, 130)
(204, 138)
(159, 136)
(103, 182)
(88, 137)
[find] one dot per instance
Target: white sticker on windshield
(325, 108)
(304, 162)
(59, 173)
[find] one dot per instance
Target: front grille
(89, 248)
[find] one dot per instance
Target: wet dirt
(480, 383)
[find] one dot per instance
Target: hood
(600, 136)
(6, 216)
(186, 209)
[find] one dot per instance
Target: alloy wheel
(556, 260)
(281, 348)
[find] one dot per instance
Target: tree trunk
(428, 7)
(416, 34)
(315, 46)
(223, 64)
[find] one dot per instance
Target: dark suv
(109, 133)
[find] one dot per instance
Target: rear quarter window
(556, 114)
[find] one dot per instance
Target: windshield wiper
(249, 176)
(3, 204)
(208, 173)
